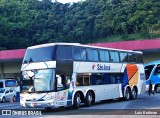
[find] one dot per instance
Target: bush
(125, 37)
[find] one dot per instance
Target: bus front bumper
(38, 104)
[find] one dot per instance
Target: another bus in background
(9, 83)
(68, 74)
(152, 72)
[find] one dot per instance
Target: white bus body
(56, 75)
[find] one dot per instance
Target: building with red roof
(10, 60)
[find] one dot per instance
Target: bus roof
(153, 62)
(77, 44)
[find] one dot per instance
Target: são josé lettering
(102, 67)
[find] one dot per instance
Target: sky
(67, 1)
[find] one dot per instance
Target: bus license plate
(33, 104)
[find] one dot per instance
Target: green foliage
(29, 22)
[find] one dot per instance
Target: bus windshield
(148, 70)
(40, 54)
(38, 80)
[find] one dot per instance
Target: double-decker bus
(68, 74)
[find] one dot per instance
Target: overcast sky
(67, 1)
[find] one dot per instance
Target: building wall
(10, 70)
(12, 67)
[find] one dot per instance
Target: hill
(30, 22)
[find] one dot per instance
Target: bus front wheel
(88, 99)
(3, 99)
(77, 101)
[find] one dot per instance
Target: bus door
(83, 80)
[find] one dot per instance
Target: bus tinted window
(123, 57)
(139, 58)
(90, 54)
(104, 55)
(39, 54)
(114, 56)
(79, 54)
(95, 54)
(131, 57)
(64, 53)
(97, 79)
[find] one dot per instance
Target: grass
(126, 37)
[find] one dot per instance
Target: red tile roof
(12, 54)
(127, 45)
(132, 45)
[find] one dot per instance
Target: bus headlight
(48, 98)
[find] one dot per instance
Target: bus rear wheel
(89, 99)
(77, 101)
(127, 94)
(134, 94)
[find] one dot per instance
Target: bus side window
(86, 80)
(114, 56)
(79, 81)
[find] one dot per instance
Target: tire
(134, 94)
(158, 88)
(48, 108)
(3, 99)
(14, 98)
(88, 99)
(127, 94)
(77, 101)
